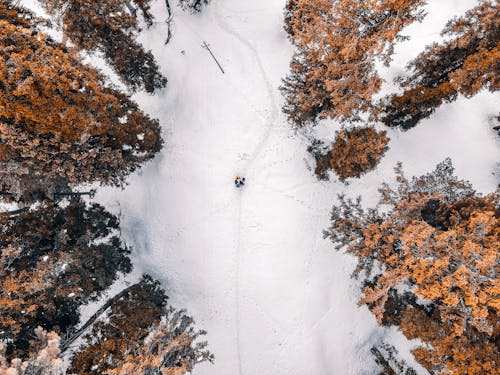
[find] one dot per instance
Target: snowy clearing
(250, 265)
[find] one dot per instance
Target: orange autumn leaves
(60, 125)
(435, 255)
(44, 361)
(465, 64)
(455, 266)
(46, 89)
(111, 26)
(354, 152)
(142, 335)
(53, 259)
(333, 72)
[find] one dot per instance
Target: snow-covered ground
(251, 265)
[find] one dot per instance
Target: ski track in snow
(222, 23)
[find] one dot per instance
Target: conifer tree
(52, 260)
(59, 124)
(142, 335)
(354, 152)
(110, 26)
(333, 71)
(431, 266)
(464, 64)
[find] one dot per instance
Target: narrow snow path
(250, 265)
(270, 122)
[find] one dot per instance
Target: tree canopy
(111, 26)
(431, 265)
(464, 64)
(53, 259)
(60, 124)
(354, 152)
(333, 72)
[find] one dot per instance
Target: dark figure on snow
(239, 181)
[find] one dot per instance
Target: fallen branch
(15, 212)
(207, 47)
(76, 334)
(168, 21)
(90, 193)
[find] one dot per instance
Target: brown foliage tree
(354, 153)
(437, 252)
(169, 349)
(141, 335)
(110, 26)
(59, 124)
(465, 64)
(333, 73)
(52, 260)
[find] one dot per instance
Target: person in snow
(239, 181)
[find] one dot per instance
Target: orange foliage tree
(465, 64)
(354, 152)
(431, 265)
(168, 349)
(52, 260)
(141, 335)
(59, 123)
(110, 26)
(333, 72)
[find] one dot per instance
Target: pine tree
(333, 72)
(466, 63)
(141, 335)
(110, 26)
(59, 124)
(52, 260)
(168, 349)
(354, 152)
(431, 266)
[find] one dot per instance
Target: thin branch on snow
(168, 21)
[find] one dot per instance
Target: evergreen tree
(354, 152)
(141, 335)
(44, 359)
(59, 124)
(110, 26)
(464, 64)
(52, 260)
(333, 72)
(431, 267)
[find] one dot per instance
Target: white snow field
(251, 265)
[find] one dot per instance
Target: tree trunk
(15, 212)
